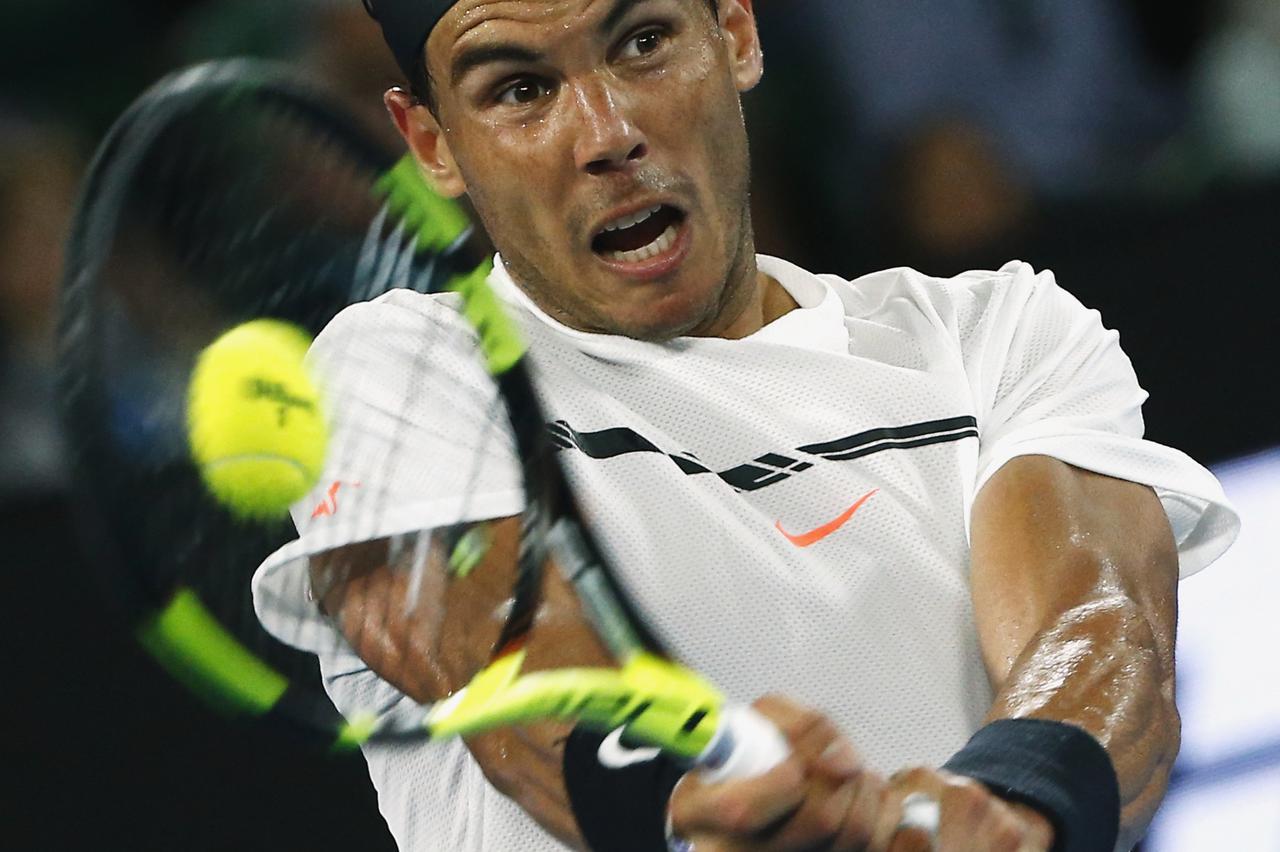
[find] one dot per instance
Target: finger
(890, 834)
(912, 840)
(1040, 832)
(839, 761)
(968, 822)
(919, 820)
(818, 821)
(994, 834)
(834, 816)
(1006, 828)
(976, 820)
(714, 843)
(813, 738)
(799, 724)
(860, 820)
(740, 807)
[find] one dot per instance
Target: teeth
(632, 220)
(660, 246)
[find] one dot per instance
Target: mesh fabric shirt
(790, 511)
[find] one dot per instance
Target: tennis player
(918, 510)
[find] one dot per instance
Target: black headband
(406, 25)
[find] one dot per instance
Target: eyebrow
(471, 59)
(620, 10)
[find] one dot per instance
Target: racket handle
(745, 745)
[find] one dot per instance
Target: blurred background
(1133, 146)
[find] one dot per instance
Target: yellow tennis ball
(254, 418)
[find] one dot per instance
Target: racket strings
(269, 229)
(231, 214)
(444, 598)
(253, 206)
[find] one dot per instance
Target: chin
(670, 316)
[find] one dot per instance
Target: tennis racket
(233, 192)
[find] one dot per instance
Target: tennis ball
(254, 419)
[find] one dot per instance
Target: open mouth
(641, 236)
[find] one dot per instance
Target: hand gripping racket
(234, 192)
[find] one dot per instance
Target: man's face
(602, 144)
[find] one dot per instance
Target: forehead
(469, 20)
(468, 14)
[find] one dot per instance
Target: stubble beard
(724, 304)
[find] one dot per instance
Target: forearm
(430, 651)
(525, 764)
(522, 763)
(1099, 668)
(1074, 581)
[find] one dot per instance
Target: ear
(742, 40)
(426, 139)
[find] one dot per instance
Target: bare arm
(1074, 581)
(428, 658)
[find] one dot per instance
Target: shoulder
(394, 310)
(388, 345)
(879, 291)
(399, 320)
(956, 305)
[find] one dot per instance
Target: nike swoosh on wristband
(614, 755)
(816, 535)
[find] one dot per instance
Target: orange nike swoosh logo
(329, 505)
(816, 535)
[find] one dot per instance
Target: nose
(609, 140)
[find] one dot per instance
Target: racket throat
(608, 611)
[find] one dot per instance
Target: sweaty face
(603, 145)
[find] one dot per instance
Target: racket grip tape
(745, 744)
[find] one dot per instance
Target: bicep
(1051, 541)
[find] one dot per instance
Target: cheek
(687, 96)
(510, 184)
(700, 111)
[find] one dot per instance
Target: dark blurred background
(1132, 146)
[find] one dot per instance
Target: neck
(754, 303)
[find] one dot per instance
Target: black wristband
(1056, 768)
(623, 809)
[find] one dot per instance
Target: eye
(522, 92)
(643, 44)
